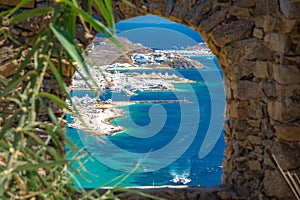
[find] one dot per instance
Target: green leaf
(14, 9)
(56, 123)
(105, 12)
(57, 100)
(68, 44)
(61, 82)
(37, 44)
(13, 84)
(98, 26)
(9, 123)
(5, 34)
(71, 48)
(90, 7)
(53, 136)
(30, 166)
(50, 149)
(36, 12)
(111, 15)
(70, 23)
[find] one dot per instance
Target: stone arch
(258, 48)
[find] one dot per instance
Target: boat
(181, 180)
(72, 126)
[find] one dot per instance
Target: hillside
(103, 52)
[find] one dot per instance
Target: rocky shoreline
(185, 63)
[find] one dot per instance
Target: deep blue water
(169, 35)
(165, 139)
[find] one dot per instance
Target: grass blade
(16, 8)
(57, 100)
(36, 12)
(31, 167)
(72, 50)
(13, 84)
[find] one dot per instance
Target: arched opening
(257, 45)
(250, 50)
(174, 132)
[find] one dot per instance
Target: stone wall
(257, 43)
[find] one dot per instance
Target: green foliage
(33, 164)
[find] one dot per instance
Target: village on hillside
(103, 52)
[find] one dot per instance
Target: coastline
(98, 121)
(96, 116)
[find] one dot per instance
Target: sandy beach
(96, 118)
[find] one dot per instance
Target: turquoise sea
(165, 140)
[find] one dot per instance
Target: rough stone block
(298, 49)
(286, 74)
(256, 140)
(285, 111)
(226, 195)
(275, 185)
(127, 10)
(239, 109)
(202, 8)
(291, 60)
(269, 89)
(269, 23)
(249, 90)
(244, 3)
(157, 6)
(255, 110)
(258, 33)
(231, 53)
(259, 21)
(254, 165)
(248, 49)
(268, 162)
(259, 150)
(213, 20)
(285, 25)
(240, 135)
(168, 7)
(256, 50)
(295, 94)
(288, 133)
(254, 123)
(291, 111)
(266, 7)
(233, 31)
(241, 125)
(261, 69)
(240, 13)
(181, 8)
(239, 149)
(290, 8)
(278, 42)
(287, 156)
(275, 109)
